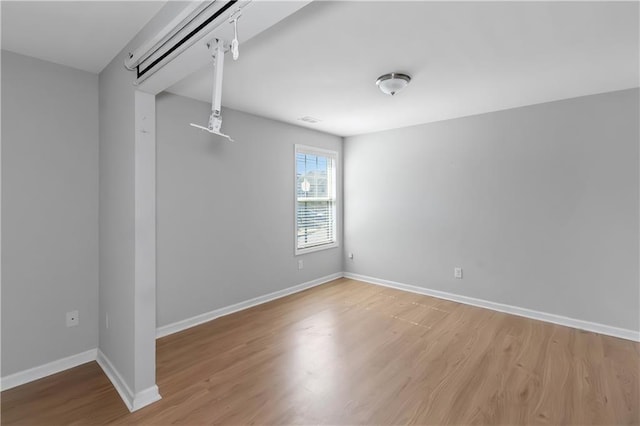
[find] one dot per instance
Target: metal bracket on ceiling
(216, 48)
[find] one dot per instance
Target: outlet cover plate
(457, 273)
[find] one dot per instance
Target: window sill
(299, 252)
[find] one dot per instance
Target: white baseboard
(146, 397)
(509, 309)
(116, 379)
(133, 401)
(151, 394)
(35, 373)
(175, 327)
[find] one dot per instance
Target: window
(315, 199)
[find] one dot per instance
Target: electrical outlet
(72, 319)
(351, 256)
(457, 272)
(300, 264)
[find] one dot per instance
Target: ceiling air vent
(308, 119)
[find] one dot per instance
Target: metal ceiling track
(194, 23)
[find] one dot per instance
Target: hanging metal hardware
(235, 51)
(216, 48)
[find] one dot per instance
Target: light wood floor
(354, 353)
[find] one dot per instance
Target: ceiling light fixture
(392, 83)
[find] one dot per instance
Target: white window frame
(324, 153)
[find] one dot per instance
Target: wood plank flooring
(353, 353)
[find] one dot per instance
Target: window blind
(315, 198)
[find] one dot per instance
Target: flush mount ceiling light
(392, 83)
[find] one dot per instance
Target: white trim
(146, 397)
(314, 150)
(132, 401)
(35, 373)
(144, 323)
(312, 249)
(116, 379)
(337, 176)
(175, 327)
(151, 394)
(143, 51)
(509, 309)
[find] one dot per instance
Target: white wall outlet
(300, 264)
(351, 256)
(457, 272)
(72, 319)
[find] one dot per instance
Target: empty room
(320, 212)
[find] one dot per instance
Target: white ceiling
(80, 34)
(465, 58)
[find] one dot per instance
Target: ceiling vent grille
(308, 119)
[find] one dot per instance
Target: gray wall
(49, 211)
(117, 217)
(225, 210)
(539, 205)
(128, 342)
